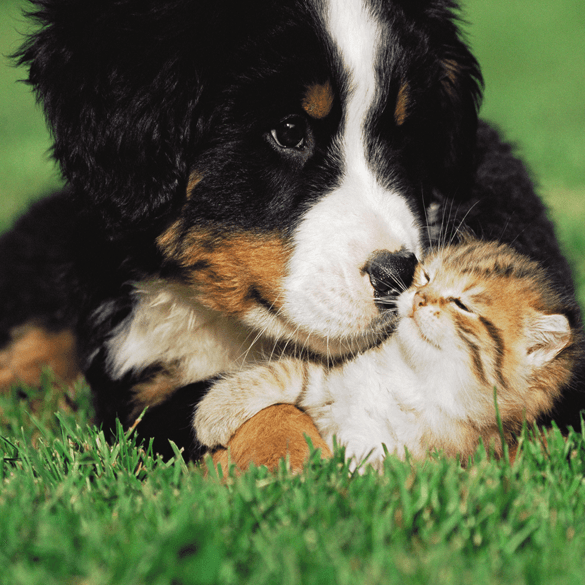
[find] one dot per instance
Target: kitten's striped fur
(478, 317)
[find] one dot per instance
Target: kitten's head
(482, 316)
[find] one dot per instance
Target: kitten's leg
(232, 401)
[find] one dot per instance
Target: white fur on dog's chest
(169, 326)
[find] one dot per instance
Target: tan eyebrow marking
(318, 100)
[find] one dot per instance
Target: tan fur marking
(452, 69)
(33, 348)
(401, 110)
(169, 240)
(318, 100)
(229, 269)
(275, 433)
(152, 393)
(452, 72)
(194, 179)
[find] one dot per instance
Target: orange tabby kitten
(478, 317)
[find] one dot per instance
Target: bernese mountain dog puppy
(247, 179)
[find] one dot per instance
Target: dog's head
(280, 153)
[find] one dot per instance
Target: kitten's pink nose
(419, 300)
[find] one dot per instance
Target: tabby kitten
(478, 317)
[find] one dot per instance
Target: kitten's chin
(417, 346)
(425, 338)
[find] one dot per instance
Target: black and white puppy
(248, 178)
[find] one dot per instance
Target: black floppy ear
(119, 100)
(456, 97)
(459, 98)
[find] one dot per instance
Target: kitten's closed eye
(457, 302)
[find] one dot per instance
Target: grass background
(75, 510)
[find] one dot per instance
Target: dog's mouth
(299, 339)
(341, 313)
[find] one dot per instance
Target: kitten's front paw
(230, 402)
(210, 428)
(214, 421)
(361, 459)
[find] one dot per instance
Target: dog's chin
(322, 342)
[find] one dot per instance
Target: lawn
(75, 510)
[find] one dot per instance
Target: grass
(532, 59)
(78, 511)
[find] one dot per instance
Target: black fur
(141, 93)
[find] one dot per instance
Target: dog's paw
(275, 433)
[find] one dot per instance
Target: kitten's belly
(371, 401)
(361, 412)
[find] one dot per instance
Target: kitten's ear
(547, 336)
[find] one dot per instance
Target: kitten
(478, 317)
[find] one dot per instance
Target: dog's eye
(291, 133)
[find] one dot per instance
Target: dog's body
(239, 177)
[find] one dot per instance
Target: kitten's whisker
(448, 219)
(504, 229)
(445, 215)
(391, 287)
(458, 229)
(390, 299)
(517, 236)
(259, 334)
(435, 208)
(242, 358)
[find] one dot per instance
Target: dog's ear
(442, 136)
(437, 114)
(119, 100)
(455, 122)
(456, 104)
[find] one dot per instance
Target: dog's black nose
(390, 273)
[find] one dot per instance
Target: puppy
(246, 180)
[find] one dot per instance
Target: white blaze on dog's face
(327, 291)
